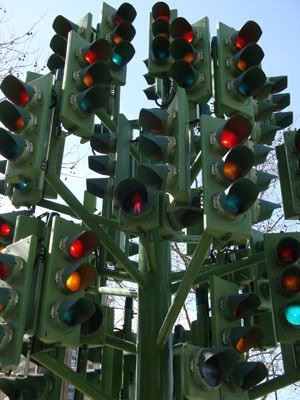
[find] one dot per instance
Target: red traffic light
(181, 28)
(235, 131)
(126, 12)
(161, 10)
(79, 245)
(5, 229)
(288, 250)
(133, 197)
(249, 33)
(15, 90)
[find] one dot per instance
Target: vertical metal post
(154, 365)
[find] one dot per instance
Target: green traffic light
(292, 315)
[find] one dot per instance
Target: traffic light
(159, 60)
(164, 139)
(201, 373)
(237, 71)
(116, 29)
(190, 50)
(17, 262)
(31, 387)
(230, 312)
(288, 157)
(83, 89)
(27, 116)
(228, 194)
(64, 306)
(282, 252)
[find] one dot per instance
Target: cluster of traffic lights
(288, 255)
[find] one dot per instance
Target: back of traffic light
(165, 138)
(17, 263)
(237, 71)
(282, 251)
(62, 26)
(288, 157)
(228, 194)
(27, 116)
(190, 51)
(68, 273)
(267, 106)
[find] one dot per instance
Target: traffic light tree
(146, 200)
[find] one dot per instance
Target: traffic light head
(189, 49)
(226, 161)
(238, 75)
(69, 273)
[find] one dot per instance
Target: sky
(279, 21)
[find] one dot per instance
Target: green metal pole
(117, 291)
(89, 221)
(184, 288)
(219, 270)
(154, 365)
(120, 344)
(69, 375)
(275, 384)
(61, 208)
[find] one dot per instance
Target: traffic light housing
(191, 66)
(17, 264)
(288, 157)
(64, 306)
(238, 75)
(282, 252)
(227, 193)
(27, 117)
(83, 89)
(159, 60)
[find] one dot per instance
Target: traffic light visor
(161, 10)
(249, 33)
(20, 93)
(235, 131)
